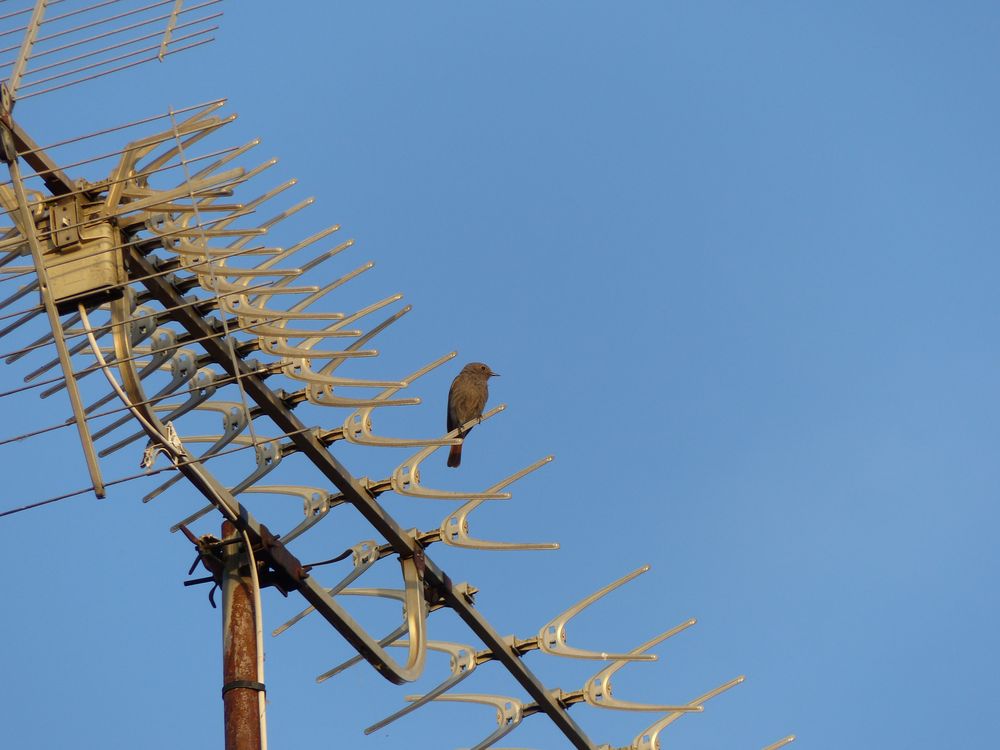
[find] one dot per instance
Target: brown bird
(466, 400)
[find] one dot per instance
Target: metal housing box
(82, 254)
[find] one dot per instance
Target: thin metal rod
(70, 334)
(115, 249)
(26, 44)
(115, 70)
(80, 11)
(35, 309)
(13, 13)
(117, 45)
(109, 60)
(125, 126)
(262, 371)
(28, 229)
(146, 241)
(108, 155)
(53, 19)
(105, 34)
(137, 357)
(133, 477)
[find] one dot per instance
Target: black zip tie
(246, 684)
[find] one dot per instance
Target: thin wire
(100, 50)
(264, 371)
(107, 183)
(35, 309)
(134, 358)
(112, 154)
(135, 123)
(68, 333)
(109, 60)
(152, 240)
(150, 473)
(116, 70)
(105, 34)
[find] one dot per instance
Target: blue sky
(736, 262)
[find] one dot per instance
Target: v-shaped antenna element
(552, 636)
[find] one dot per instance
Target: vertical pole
(26, 223)
(239, 650)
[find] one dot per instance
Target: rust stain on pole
(239, 651)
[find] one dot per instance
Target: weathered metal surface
(239, 650)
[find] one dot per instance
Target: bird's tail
(455, 455)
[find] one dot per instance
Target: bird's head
(480, 369)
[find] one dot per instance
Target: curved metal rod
(358, 425)
(454, 529)
(161, 197)
(183, 368)
(315, 504)
(311, 239)
(223, 160)
(335, 363)
(461, 665)
(405, 478)
(414, 622)
(650, 738)
(268, 455)
(140, 148)
(510, 711)
(552, 636)
(217, 284)
(140, 327)
(265, 226)
(363, 556)
(395, 635)
(164, 343)
(415, 604)
(313, 263)
(240, 305)
(318, 514)
(323, 395)
(203, 381)
(597, 690)
(255, 203)
(141, 411)
(279, 346)
(111, 359)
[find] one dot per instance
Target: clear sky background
(737, 264)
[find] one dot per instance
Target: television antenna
(158, 276)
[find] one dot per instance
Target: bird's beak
(494, 374)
